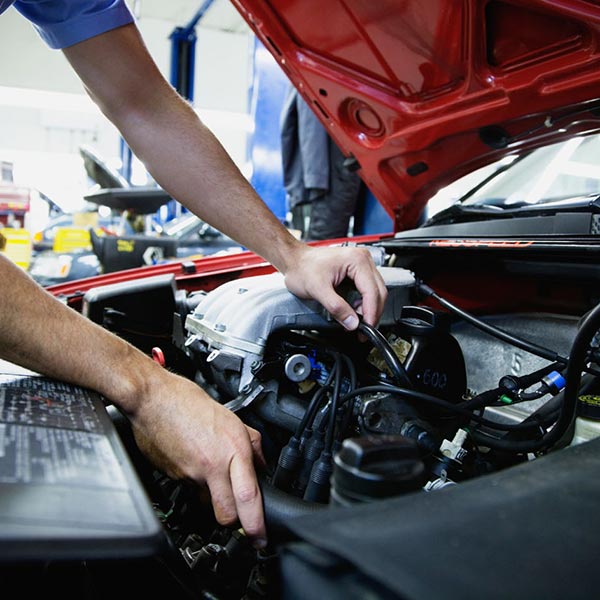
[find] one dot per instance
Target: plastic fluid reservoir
(587, 423)
(435, 362)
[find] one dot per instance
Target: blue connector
(555, 382)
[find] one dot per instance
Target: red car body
(422, 93)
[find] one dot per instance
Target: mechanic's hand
(316, 271)
(190, 436)
(176, 424)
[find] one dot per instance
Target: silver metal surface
(297, 367)
(238, 317)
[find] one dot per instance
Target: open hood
(421, 93)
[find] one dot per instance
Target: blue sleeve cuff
(69, 29)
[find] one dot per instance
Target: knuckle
(226, 516)
(202, 465)
(242, 448)
(247, 494)
(335, 305)
(364, 255)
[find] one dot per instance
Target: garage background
(45, 115)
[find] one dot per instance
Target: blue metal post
(269, 85)
(183, 55)
(183, 49)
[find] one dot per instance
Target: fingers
(255, 441)
(236, 497)
(321, 270)
(234, 490)
(358, 265)
(248, 500)
(371, 286)
(223, 502)
(338, 308)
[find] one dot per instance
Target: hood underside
(421, 93)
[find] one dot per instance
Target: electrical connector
(454, 449)
(555, 382)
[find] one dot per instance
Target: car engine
(430, 398)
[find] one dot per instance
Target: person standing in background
(322, 193)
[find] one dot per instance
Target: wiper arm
(461, 213)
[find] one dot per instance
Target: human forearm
(188, 161)
(193, 167)
(180, 152)
(177, 425)
(39, 332)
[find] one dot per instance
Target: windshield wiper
(459, 213)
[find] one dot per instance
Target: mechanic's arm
(188, 162)
(177, 425)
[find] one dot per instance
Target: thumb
(340, 310)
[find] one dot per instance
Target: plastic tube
(494, 331)
(280, 507)
(575, 367)
(393, 362)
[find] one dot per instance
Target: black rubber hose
(311, 411)
(575, 367)
(435, 401)
(393, 362)
(525, 381)
(351, 371)
(335, 396)
(280, 508)
(494, 331)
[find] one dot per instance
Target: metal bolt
(247, 389)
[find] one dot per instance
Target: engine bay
(432, 398)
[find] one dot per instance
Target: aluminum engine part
(238, 317)
(297, 367)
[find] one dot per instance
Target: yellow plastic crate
(16, 245)
(71, 239)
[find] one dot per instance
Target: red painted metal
(202, 273)
(158, 356)
(406, 85)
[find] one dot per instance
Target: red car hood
(421, 92)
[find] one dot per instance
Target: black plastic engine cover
(527, 532)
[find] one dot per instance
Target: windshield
(568, 169)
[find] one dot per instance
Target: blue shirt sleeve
(62, 23)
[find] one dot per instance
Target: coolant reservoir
(587, 423)
(435, 362)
